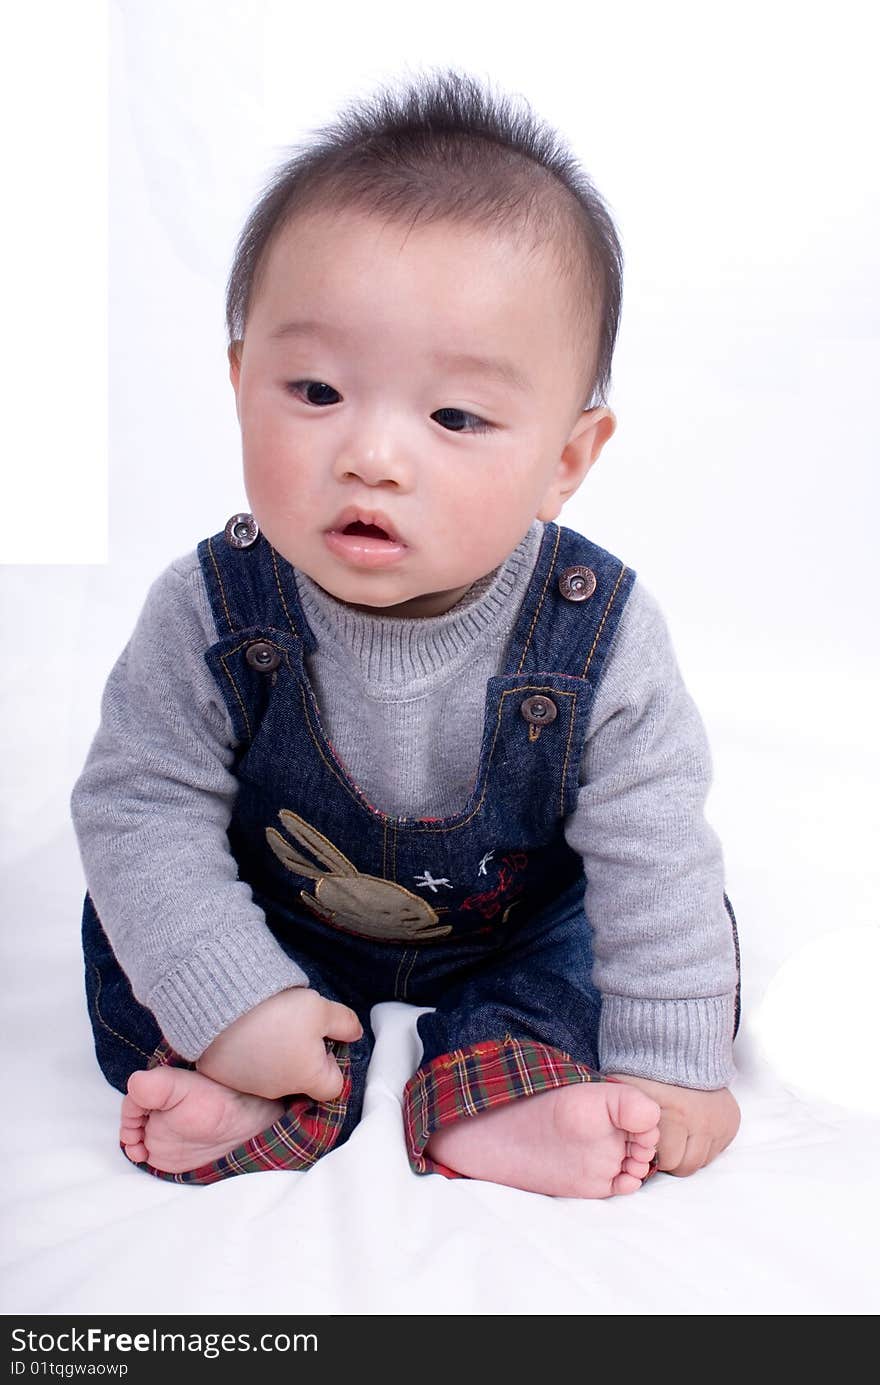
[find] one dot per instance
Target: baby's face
(367, 401)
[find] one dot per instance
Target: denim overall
(480, 914)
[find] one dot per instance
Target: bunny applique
(362, 904)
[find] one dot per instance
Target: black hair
(446, 148)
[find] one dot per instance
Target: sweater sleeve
(151, 809)
(663, 947)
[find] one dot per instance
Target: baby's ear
(592, 431)
(588, 436)
(234, 355)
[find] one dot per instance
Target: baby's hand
(695, 1126)
(277, 1049)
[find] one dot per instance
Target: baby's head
(421, 314)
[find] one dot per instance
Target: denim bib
(307, 839)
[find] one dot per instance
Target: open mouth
(366, 531)
(362, 543)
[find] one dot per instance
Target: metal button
(262, 656)
(241, 531)
(540, 711)
(577, 583)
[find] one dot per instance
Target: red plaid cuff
(307, 1130)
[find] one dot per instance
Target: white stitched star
(488, 856)
(427, 879)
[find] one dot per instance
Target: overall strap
(250, 585)
(571, 611)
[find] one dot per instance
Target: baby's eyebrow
(500, 367)
(304, 328)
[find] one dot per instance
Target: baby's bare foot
(589, 1140)
(177, 1120)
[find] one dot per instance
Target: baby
(393, 733)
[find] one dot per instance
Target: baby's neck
(420, 607)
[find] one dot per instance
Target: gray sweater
(153, 802)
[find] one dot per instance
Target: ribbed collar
(400, 654)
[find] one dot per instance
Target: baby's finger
(342, 1023)
(672, 1146)
(695, 1155)
(327, 1083)
(719, 1145)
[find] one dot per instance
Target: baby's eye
(311, 389)
(452, 420)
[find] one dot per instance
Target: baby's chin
(364, 593)
(419, 606)
(416, 608)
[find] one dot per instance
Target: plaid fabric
(473, 1079)
(307, 1130)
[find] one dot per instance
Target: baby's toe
(158, 1089)
(136, 1152)
(132, 1123)
(132, 1111)
(639, 1149)
(625, 1183)
(636, 1113)
(637, 1167)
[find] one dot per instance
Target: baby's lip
(353, 514)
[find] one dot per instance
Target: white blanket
(784, 1222)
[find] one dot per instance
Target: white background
(737, 151)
